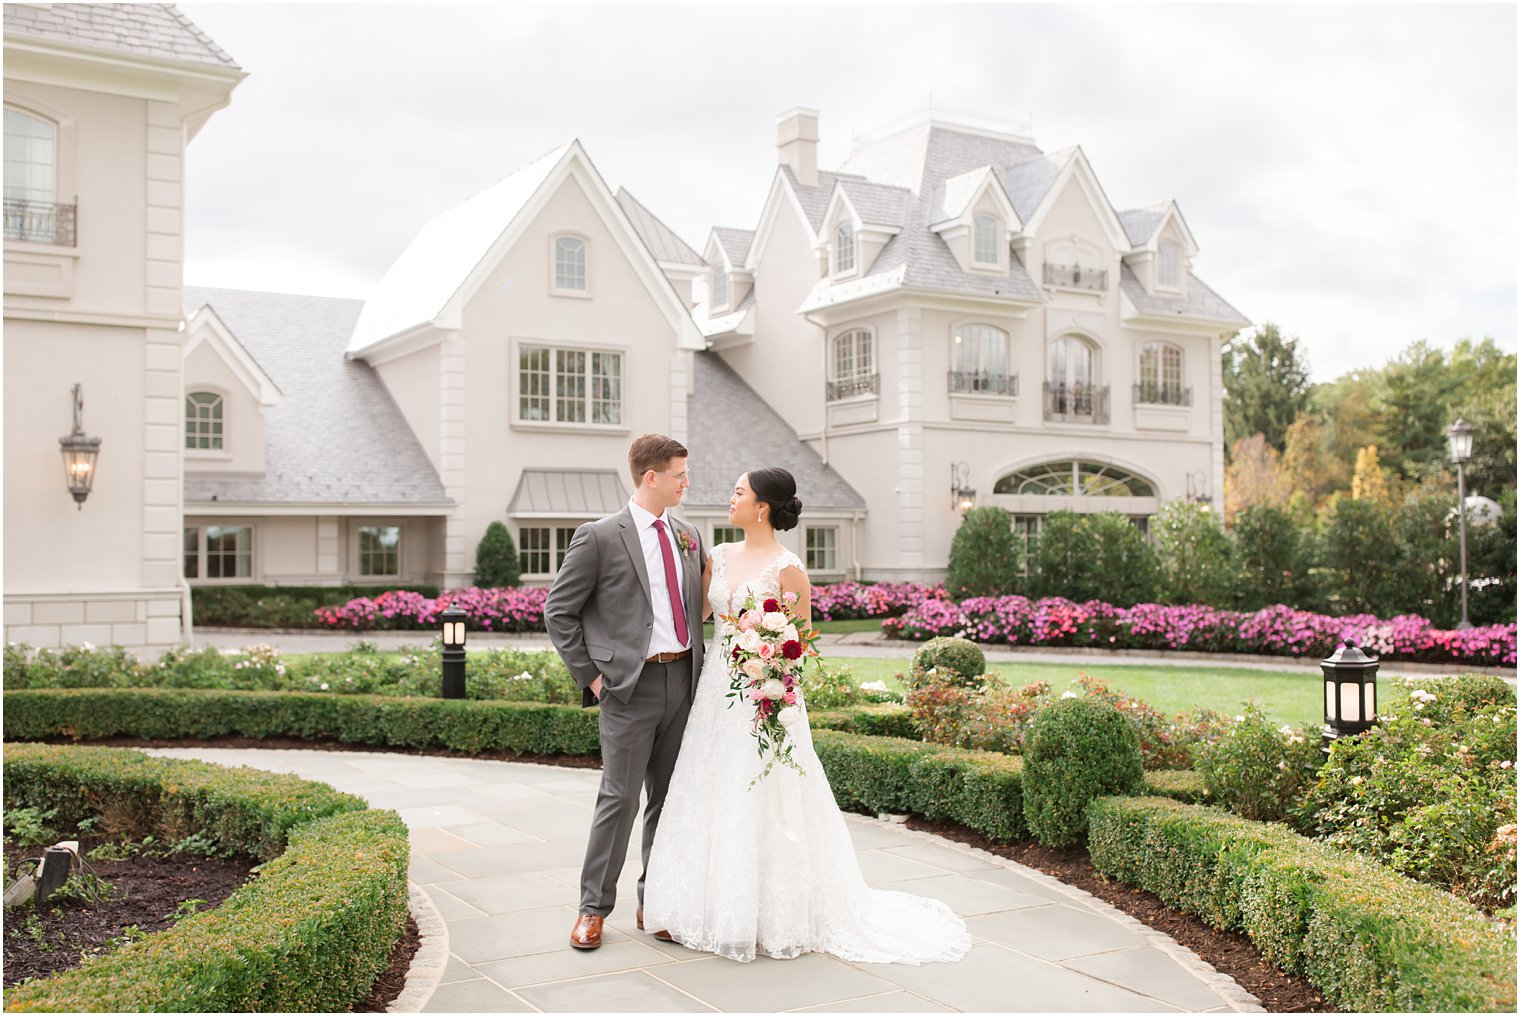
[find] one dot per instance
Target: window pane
(192, 552)
(1166, 265)
(379, 550)
(986, 240)
(720, 287)
(821, 543)
(844, 248)
(203, 420)
(533, 383)
(229, 552)
(726, 534)
(533, 550)
(30, 148)
(569, 263)
(562, 537)
(569, 386)
(607, 388)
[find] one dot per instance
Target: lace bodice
(767, 583)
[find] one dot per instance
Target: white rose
(790, 635)
(789, 715)
(774, 621)
(874, 686)
(1070, 694)
(772, 688)
(755, 670)
(750, 641)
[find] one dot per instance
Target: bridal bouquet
(767, 644)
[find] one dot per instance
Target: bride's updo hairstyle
(776, 487)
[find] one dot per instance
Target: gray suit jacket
(599, 612)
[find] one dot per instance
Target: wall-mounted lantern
(962, 496)
(453, 651)
(79, 454)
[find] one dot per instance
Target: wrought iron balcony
(1076, 403)
(40, 222)
(981, 382)
(1154, 393)
(1076, 277)
(861, 384)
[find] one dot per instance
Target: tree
(1266, 382)
(1354, 548)
(496, 562)
(1413, 403)
(1368, 481)
(1272, 558)
(1128, 572)
(1065, 559)
(1195, 555)
(1255, 477)
(1308, 465)
(983, 555)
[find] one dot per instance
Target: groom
(625, 613)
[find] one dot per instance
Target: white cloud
(1349, 171)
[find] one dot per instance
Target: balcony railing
(40, 222)
(981, 382)
(1076, 403)
(1153, 394)
(1076, 277)
(861, 384)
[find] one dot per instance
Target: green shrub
(1077, 749)
(1273, 557)
(983, 555)
(950, 655)
(1183, 785)
(992, 717)
(1065, 560)
(1196, 555)
(833, 686)
(278, 606)
(310, 933)
(1259, 771)
(1165, 743)
(81, 666)
(1128, 570)
(496, 562)
(884, 720)
(1370, 939)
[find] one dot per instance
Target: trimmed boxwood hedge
(1371, 939)
(309, 934)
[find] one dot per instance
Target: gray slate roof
(731, 430)
(1199, 302)
(815, 200)
(735, 243)
(336, 436)
(1140, 224)
(156, 30)
(1029, 181)
(661, 240)
(878, 204)
(588, 493)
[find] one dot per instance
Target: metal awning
(568, 493)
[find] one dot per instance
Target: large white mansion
(953, 316)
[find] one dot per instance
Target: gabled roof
(154, 30)
(663, 243)
(731, 429)
(1028, 182)
(1076, 168)
(815, 199)
(876, 204)
(416, 288)
(1141, 224)
(205, 327)
(739, 321)
(1199, 303)
(952, 198)
(734, 244)
(336, 437)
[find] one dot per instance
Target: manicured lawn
(1286, 697)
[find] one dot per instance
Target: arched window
(719, 287)
(1075, 478)
(1167, 265)
(853, 367)
(979, 360)
(31, 181)
(1161, 376)
(844, 248)
(985, 250)
(569, 263)
(1072, 391)
(203, 421)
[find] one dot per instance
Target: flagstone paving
(496, 851)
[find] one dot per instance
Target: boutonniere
(686, 540)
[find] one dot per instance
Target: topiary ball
(1077, 749)
(951, 655)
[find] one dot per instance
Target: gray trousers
(640, 741)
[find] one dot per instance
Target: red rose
(770, 606)
(736, 652)
(791, 650)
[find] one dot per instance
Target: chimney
(797, 140)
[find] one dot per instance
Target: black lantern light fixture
(1460, 437)
(79, 454)
(962, 496)
(453, 651)
(1350, 692)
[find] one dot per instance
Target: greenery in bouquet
(767, 644)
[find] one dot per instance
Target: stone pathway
(496, 851)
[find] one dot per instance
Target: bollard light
(1350, 692)
(453, 651)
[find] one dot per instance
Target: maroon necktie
(677, 612)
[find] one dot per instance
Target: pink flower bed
(488, 610)
(845, 600)
(1274, 631)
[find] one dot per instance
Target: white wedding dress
(736, 871)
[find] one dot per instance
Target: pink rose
(751, 619)
(754, 669)
(790, 698)
(766, 650)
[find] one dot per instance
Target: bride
(738, 871)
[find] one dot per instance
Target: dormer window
(569, 264)
(1167, 265)
(203, 421)
(844, 248)
(985, 247)
(719, 287)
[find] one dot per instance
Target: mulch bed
(1229, 952)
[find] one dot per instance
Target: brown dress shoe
(638, 918)
(587, 933)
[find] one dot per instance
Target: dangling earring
(759, 515)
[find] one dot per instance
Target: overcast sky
(1349, 172)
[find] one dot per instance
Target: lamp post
(962, 496)
(1350, 692)
(453, 652)
(79, 454)
(1460, 435)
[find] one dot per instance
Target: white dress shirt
(663, 639)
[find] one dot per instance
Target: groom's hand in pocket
(596, 688)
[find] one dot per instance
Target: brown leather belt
(668, 657)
